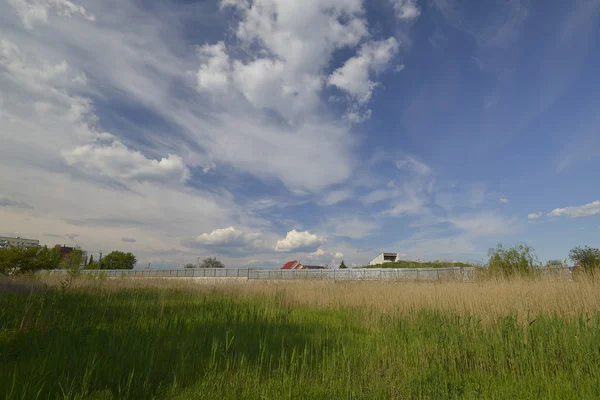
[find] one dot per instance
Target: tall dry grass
(486, 299)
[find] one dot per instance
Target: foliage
(190, 266)
(220, 346)
(420, 264)
(555, 264)
(587, 258)
(73, 260)
(342, 265)
(517, 260)
(211, 262)
(118, 260)
(19, 259)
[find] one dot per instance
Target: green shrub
(587, 258)
(518, 260)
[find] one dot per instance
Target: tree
(517, 260)
(190, 266)
(587, 258)
(19, 259)
(118, 260)
(342, 265)
(73, 260)
(211, 262)
(91, 262)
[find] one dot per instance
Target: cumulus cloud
(213, 74)
(586, 210)
(326, 257)
(226, 237)
(354, 77)
(119, 162)
(299, 241)
(297, 45)
(406, 9)
(534, 216)
(503, 200)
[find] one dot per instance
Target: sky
(261, 131)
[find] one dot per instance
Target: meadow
(180, 339)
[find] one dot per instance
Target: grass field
(174, 339)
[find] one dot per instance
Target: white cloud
(410, 203)
(336, 196)
(325, 257)
(354, 76)
(484, 224)
(299, 241)
(227, 237)
(503, 200)
(32, 12)
(119, 162)
(586, 210)
(213, 74)
(534, 216)
(406, 9)
(353, 227)
(297, 45)
(411, 164)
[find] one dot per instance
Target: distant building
(64, 250)
(385, 258)
(293, 265)
(6, 242)
(298, 265)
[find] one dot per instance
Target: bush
(587, 258)
(118, 260)
(18, 259)
(517, 260)
(211, 262)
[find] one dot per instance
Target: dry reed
(486, 299)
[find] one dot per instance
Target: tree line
(19, 259)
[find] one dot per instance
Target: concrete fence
(368, 274)
(381, 274)
(162, 273)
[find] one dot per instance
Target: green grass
(421, 264)
(159, 343)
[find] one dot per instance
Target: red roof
(292, 265)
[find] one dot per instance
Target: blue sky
(259, 131)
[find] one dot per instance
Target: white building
(6, 241)
(385, 258)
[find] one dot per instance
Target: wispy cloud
(6, 202)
